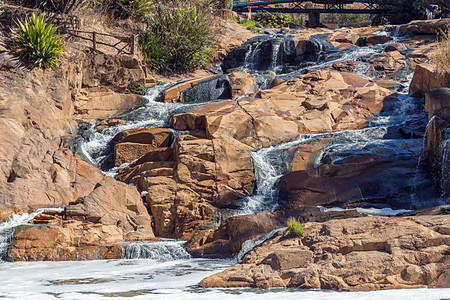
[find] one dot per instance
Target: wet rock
(108, 123)
(337, 255)
(231, 234)
(261, 53)
(389, 63)
(210, 88)
(358, 181)
(437, 103)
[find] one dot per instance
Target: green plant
(249, 24)
(176, 39)
(294, 227)
(138, 89)
(36, 41)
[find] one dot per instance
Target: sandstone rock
(113, 203)
(426, 76)
(102, 105)
(375, 39)
(231, 234)
(368, 253)
(56, 243)
(422, 27)
(133, 143)
(108, 123)
(242, 83)
(307, 104)
(389, 63)
(343, 37)
(352, 183)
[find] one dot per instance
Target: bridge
(301, 7)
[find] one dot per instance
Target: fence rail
(121, 42)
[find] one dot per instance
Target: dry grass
(441, 55)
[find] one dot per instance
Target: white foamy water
(163, 251)
(368, 211)
(149, 279)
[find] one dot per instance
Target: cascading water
(9, 224)
(445, 167)
(250, 244)
(94, 144)
(161, 251)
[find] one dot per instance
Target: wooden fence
(120, 43)
(69, 25)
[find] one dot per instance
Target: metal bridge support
(314, 19)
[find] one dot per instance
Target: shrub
(249, 24)
(176, 39)
(59, 6)
(294, 227)
(36, 41)
(441, 55)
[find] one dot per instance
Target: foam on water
(149, 279)
(368, 211)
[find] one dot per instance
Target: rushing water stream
(156, 270)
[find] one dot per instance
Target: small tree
(36, 41)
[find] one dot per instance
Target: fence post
(94, 40)
(133, 44)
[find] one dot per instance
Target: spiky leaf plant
(36, 41)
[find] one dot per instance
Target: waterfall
(250, 244)
(95, 145)
(445, 168)
(8, 225)
(161, 251)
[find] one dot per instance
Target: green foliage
(140, 9)
(176, 40)
(345, 20)
(277, 20)
(138, 89)
(408, 11)
(36, 41)
(249, 24)
(295, 227)
(59, 6)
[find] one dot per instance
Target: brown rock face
(124, 207)
(354, 254)
(320, 101)
(231, 234)
(184, 192)
(389, 63)
(134, 143)
(422, 27)
(437, 103)
(426, 77)
(357, 181)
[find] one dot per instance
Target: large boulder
(359, 180)
(131, 144)
(423, 27)
(113, 203)
(368, 253)
(427, 76)
(205, 89)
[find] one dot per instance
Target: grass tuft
(295, 227)
(441, 55)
